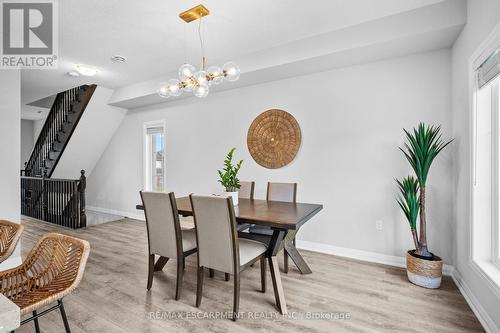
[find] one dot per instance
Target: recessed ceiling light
(73, 74)
(118, 59)
(86, 70)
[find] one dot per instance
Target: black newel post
(45, 203)
(81, 188)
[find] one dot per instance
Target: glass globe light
(232, 71)
(163, 90)
(173, 87)
(186, 71)
(216, 73)
(201, 91)
(201, 78)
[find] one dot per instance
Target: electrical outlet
(379, 225)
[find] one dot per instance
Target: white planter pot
(234, 195)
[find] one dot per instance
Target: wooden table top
(277, 214)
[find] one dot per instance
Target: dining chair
(52, 270)
(246, 190)
(220, 248)
(10, 233)
(165, 237)
(286, 192)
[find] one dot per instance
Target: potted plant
(423, 145)
(228, 176)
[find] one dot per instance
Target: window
(154, 156)
(485, 232)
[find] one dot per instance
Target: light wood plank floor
(113, 298)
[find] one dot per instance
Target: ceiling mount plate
(194, 13)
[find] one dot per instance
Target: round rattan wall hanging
(274, 138)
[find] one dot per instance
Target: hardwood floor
(113, 298)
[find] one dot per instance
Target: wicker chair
(52, 270)
(10, 233)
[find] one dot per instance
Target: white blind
(154, 130)
(489, 69)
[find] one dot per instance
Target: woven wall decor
(274, 138)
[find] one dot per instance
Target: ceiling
(155, 41)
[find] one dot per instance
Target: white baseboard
(136, 216)
(378, 258)
(481, 314)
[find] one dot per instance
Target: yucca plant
(422, 146)
(229, 175)
(409, 203)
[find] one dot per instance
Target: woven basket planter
(424, 272)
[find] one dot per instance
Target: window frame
(147, 186)
(488, 270)
(495, 223)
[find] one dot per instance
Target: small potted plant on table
(228, 176)
(423, 267)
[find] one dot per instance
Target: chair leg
(211, 272)
(226, 276)
(160, 263)
(199, 286)
(37, 324)
(285, 261)
(151, 267)
(263, 280)
(180, 273)
(63, 315)
(236, 301)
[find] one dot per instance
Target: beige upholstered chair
(286, 192)
(246, 190)
(10, 233)
(51, 271)
(218, 245)
(165, 237)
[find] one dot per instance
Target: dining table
(283, 218)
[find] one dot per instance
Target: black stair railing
(60, 124)
(58, 201)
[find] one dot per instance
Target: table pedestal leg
(279, 294)
(297, 258)
(273, 248)
(292, 252)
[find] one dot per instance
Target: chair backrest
(282, 192)
(246, 190)
(162, 221)
(216, 232)
(10, 233)
(54, 267)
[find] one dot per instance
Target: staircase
(66, 111)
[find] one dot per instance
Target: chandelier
(191, 79)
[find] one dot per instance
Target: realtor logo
(29, 34)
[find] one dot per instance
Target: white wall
(91, 137)
(351, 121)
(37, 128)
(10, 151)
(482, 17)
(26, 140)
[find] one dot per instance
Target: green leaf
(228, 175)
(408, 199)
(423, 144)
